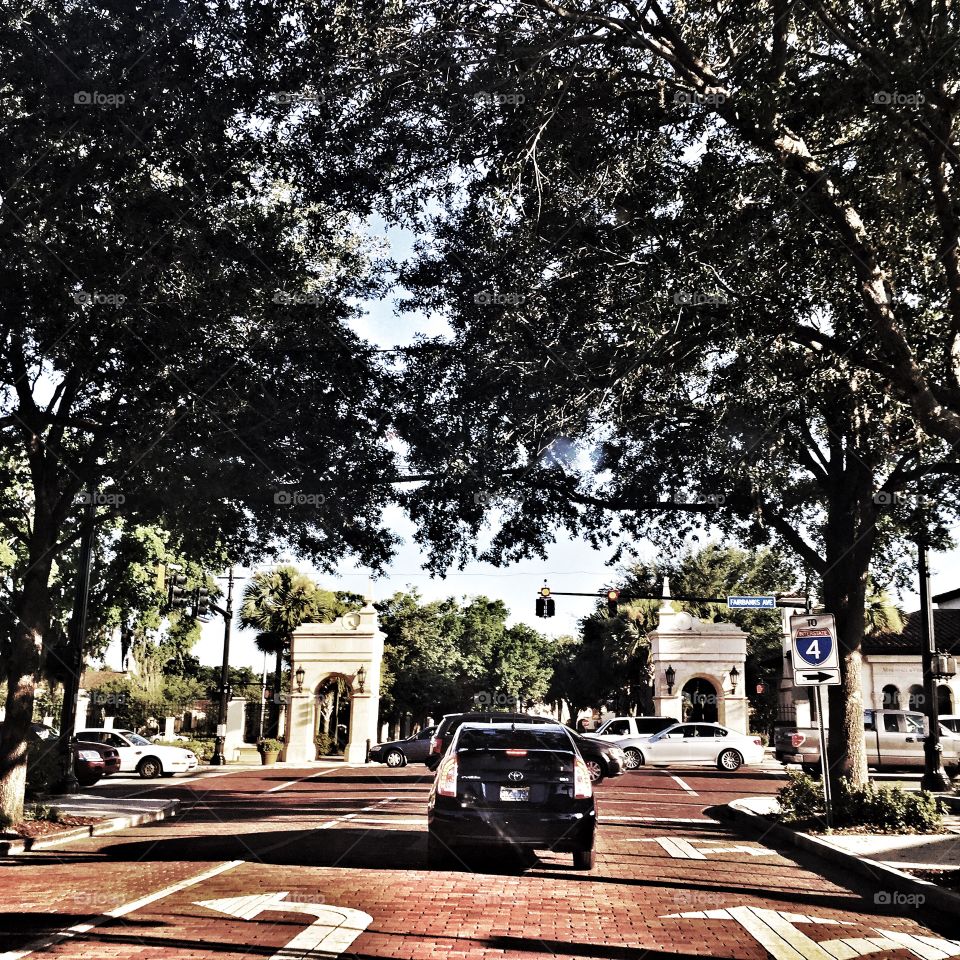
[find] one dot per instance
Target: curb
(12, 848)
(940, 900)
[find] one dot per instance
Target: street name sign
(816, 661)
(752, 603)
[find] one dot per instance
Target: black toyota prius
(519, 786)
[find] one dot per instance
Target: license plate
(514, 793)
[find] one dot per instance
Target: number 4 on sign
(333, 930)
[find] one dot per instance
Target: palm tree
(882, 615)
(275, 602)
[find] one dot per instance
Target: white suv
(139, 754)
(616, 728)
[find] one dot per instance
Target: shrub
(270, 745)
(326, 745)
(883, 809)
(202, 748)
(43, 766)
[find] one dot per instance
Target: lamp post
(218, 759)
(934, 775)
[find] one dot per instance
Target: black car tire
(583, 859)
(634, 758)
(596, 770)
(729, 760)
(395, 758)
(438, 854)
(88, 779)
(149, 767)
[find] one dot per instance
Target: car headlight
(89, 755)
(618, 753)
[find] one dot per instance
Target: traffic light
(612, 597)
(546, 607)
(201, 603)
(177, 596)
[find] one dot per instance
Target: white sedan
(140, 755)
(694, 743)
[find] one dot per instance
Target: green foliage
(203, 747)
(270, 745)
(879, 808)
(44, 770)
(326, 745)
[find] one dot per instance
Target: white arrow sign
(333, 930)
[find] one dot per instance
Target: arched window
(917, 699)
(944, 700)
(891, 697)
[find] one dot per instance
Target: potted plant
(269, 750)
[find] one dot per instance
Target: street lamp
(361, 678)
(671, 676)
(734, 677)
(300, 674)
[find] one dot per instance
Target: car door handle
(911, 740)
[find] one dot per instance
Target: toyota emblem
(515, 775)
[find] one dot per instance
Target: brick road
(670, 882)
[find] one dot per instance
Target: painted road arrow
(333, 930)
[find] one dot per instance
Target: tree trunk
(844, 595)
(33, 618)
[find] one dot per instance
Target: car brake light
(516, 753)
(447, 778)
(758, 741)
(436, 745)
(582, 787)
(796, 739)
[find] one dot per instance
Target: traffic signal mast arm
(791, 603)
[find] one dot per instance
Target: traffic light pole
(218, 759)
(78, 630)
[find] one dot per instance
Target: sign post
(816, 663)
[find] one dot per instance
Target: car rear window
(519, 739)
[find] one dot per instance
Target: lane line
(605, 818)
(685, 786)
(283, 786)
(122, 911)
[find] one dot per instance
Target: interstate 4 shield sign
(816, 661)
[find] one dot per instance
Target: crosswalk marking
(681, 849)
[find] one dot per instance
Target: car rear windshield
(519, 739)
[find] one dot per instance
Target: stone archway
(331, 723)
(350, 648)
(701, 701)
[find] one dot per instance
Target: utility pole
(218, 759)
(78, 630)
(934, 775)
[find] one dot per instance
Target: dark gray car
(398, 753)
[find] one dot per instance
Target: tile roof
(946, 629)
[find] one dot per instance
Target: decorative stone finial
(666, 606)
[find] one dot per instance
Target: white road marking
(332, 932)
(685, 786)
(80, 928)
(604, 818)
(314, 775)
(681, 849)
(777, 933)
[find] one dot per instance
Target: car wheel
(729, 760)
(595, 769)
(583, 859)
(88, 780)
(395, 758)
(634, 758)
(149, 767)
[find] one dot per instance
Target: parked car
(176, 737)
(109, 755)
(616, 728)
(952, 722)
(140, 755)
(894, 739)
(520, 786)
(602, 759)
(89, 764)
(695, 743)
(398, 753)
(446, 728)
